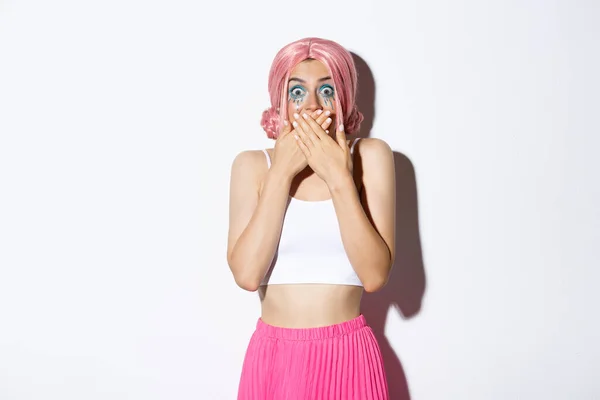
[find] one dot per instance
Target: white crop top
(310, 248)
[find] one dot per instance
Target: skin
(311, 161)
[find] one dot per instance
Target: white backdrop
(119, 121)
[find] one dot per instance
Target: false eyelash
(297, 97)
(326, 86)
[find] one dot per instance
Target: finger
(325, 125)
(322, 117)
(325, 121)
(287, 128)
(340, 135)
(299, 126)
(304, 137)
(320, 132)
(303, 148)
(307, 128)
(315, 114)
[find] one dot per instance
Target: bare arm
(368, 229)
(255, 219)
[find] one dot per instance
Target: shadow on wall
(406, 286)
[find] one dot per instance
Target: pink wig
(341, 67)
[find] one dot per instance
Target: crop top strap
(268, 158)
(353, 144)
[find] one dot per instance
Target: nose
(311, 103)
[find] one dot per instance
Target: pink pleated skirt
(336, 362)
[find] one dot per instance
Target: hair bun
(353, 121)
(270, 122)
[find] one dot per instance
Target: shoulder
(253, 161)
(376, 165)
(248, 170)
(373, 151)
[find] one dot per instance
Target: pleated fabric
(336, 362)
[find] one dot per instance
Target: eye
(297, 92)
(326, 91)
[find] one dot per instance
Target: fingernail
(296, 136)
(296, 116)
(295, 124)
(326, 131)
(341, 127)
(328, 120)
(319, 112)
(285, 122)
(305, 116)
(327, 112)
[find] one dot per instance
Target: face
(310, 88)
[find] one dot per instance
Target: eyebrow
(303, 81)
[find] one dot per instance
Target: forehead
(309, 70)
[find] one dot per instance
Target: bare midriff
(309, 305)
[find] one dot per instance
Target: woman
(311, 227)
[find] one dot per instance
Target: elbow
(374, 285)
(243, 279)
(246, 283)
(377, 281)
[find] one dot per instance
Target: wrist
(341, 182)
(279, 175)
